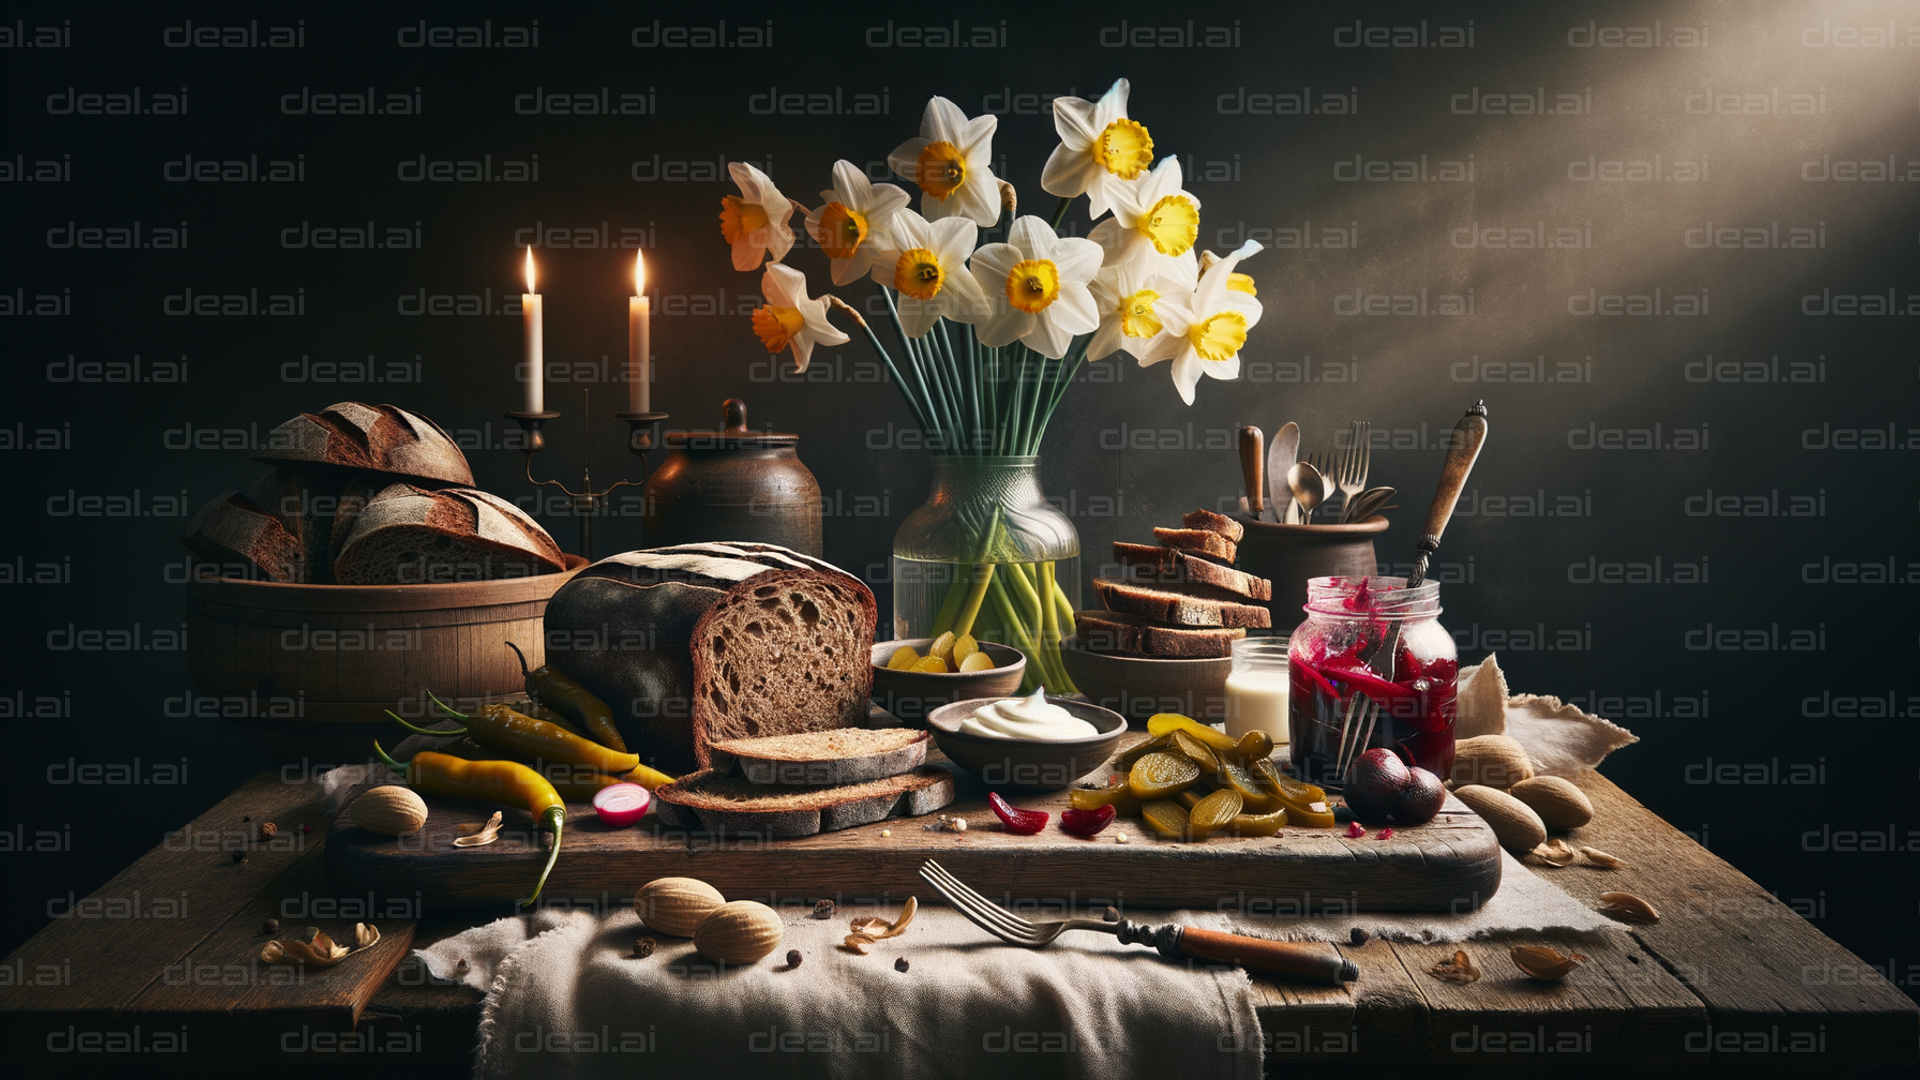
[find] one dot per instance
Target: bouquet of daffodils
(991, 336)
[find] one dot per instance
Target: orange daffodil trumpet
(755, 221)
(951, 161)
(1154, 222)
(789, 320)
(1100, 149)
(926, 263)
(1203, 332)
(851, 225)
(1036, 284)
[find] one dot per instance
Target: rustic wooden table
(160, 969)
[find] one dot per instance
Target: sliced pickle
(1167, 723)
(1197, 752)
(1189, 799)
(1166, 817)
(1214, 813)
(1259, 824)
(1160, 775)
(1305, 804)
(1255, 795)
(1254, 745)
(1141, 749)
(1119, 796)
(942, 646)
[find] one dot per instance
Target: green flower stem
(1064, 606)
(1060, 212)
(949, 609)
(970, 610)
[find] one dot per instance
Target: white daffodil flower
(1127, 298)
(789, 320)
(1206, 330)
(926, 262)
(951, 162)
(755, 221)
(1099, 148)
(1236, 281)
(1154, 222)
(1036, 283)
(851, 225)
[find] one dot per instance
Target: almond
(1518, 828)
(390, 810)
(1491, 760)
(675, 905)
(1560, 804)
(738, 933)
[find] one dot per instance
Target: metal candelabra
(586, 502)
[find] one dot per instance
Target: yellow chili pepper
(506, 782)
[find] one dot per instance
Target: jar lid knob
(733, 416)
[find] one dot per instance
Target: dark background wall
(1687, 294)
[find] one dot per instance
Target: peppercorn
(900, 964)
(1112, 914)
(239, 857)
(270, 926)
(793, 958)
(644, 947)
(823, 909)
(1359, 936)
(268, 829)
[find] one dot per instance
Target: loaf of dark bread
(1131, 635)
(627, 628)
(1148, 563)
(374, 438)
(242, 539)
(408, 535)
(1199, 541)
(1180, 604)
(739, 807)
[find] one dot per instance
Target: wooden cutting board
(1449, 864)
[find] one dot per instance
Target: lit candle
(639, 355)
(531, 315)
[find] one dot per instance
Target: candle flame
(639, 274)
(530, 287)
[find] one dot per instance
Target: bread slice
(1131, 635)
(1182, 604)
(1199, 541)
(782, 653)
(1212, 522)
(411, 536)
(242, 539)
(1149, 563)
(736, 805)
(841, 756)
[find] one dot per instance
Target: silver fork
(1356, 731)
(1286, 959)
(1351, 465)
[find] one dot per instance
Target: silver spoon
(1308, 487)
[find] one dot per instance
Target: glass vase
(988, 555)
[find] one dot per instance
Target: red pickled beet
(1375, 784)
(1384, 834)
(1086, 822)
(620, 805)
(1420, 800)
(1354, 831)
(1019, 822)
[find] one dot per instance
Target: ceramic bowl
(1137, 687)
(1027, 764)
(911, 695)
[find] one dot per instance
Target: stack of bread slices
(779, 786)
(1179, 599)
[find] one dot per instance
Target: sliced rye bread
(1181, 603)
(1131, 635)
(817, 758)
(732, 804)
(1198, 541)
(241, 538)
(1212, 522)
(782, 653)
(1148, 563)
(407, 535)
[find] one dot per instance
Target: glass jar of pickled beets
(1336, 658)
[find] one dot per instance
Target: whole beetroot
(1374, 786)
(1421, 799)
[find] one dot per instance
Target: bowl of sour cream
(1030, 743)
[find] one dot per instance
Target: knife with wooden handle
(1281, 455)
(1250, 463)
(1468, 435)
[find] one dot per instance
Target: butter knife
(1281, 455)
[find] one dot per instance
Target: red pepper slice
(1019, 822)
(1087, 822)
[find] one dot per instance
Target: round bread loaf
(410, 536)
(377, 438)
(627, 627)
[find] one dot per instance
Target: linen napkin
(1560, 738)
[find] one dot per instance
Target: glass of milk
(1257, 689)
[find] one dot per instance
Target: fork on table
(1281, 959)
